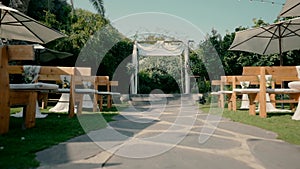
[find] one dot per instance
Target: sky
(190, 16)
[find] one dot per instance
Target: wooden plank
(45, 70)
(262, 94)
(286, 101)
(287, 71)
(4, 92)
(20, 52)
(280, 79)
(114, 83)
(84, 71)
(51, 70)
(49, 78)
(282, 71)
(216, 82)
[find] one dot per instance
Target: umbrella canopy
(276, 38)
(291, 8)
(18, 26)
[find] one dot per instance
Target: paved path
(170, 134)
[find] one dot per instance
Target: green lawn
(280, 123)
(18, 147)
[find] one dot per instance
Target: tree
(20, 5)
(99, 6)
(54, 13)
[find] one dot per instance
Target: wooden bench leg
(80, 104)
(100, 102)
(252, 106)
(30, 110)
(71, 105)
(5, 93)
(95, 103)
(222, 100)
(4, 116)
(229, 102)
(44, 98)
(109, 101)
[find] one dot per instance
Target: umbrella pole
(280, 46)
(281, 62)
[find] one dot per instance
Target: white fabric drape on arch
(160, 48)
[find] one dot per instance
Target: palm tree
(99, 6)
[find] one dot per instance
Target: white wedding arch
(161, 48)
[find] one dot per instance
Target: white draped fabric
(296, 115)
(160, 48)
(298, 71)
(245, 99)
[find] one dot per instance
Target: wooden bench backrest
(238, 79)
(287, 71)
(279, 73)
(102, 81)
(52, 73)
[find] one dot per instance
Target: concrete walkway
(172, 134)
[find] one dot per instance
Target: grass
(18, 147)
(280, 123)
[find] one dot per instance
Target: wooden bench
(25, 97)
(227, 85)
(53, 73)
(280, 73)
(104, 81)
(94, 90)
(49, 73)
(280, 76)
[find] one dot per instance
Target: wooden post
(233, 96)
(221, 97)
(72, 94)
(262, 93)
(4, 92)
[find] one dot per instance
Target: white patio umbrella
(275, 38)
(291, 8)
(15, 25)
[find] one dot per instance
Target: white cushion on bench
(85, 91)
(282, 91)
(34, 86)
(64, 90)
(246, 90)
(108, 93)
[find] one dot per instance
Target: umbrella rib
(290, 9)
(292, 32)
(257, 35)
(272, 37)
(26, 26)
